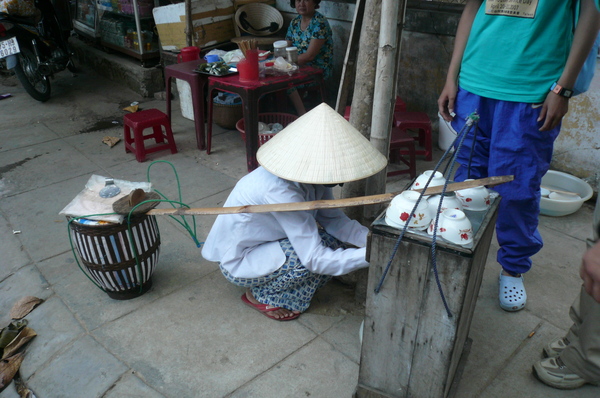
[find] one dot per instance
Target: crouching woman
(282, 258)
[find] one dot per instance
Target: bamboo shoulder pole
(323, 204)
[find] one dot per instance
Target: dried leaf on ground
(24, 307)
(8, 368)
(110, 141)
(24, 336)
(22, 389)
(9, 333)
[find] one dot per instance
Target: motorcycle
(35, 48)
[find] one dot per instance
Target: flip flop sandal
(265, 309)
(511, 293)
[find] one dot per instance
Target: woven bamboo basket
(226, 116)
(282, 118)
(108, 255)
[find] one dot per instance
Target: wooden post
(189, 25)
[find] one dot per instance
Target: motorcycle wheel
(36, 84)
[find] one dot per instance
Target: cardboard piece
(212, 21)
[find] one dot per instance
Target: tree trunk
(360, 117)
(375, 96)
(364, 86)
(392, 20)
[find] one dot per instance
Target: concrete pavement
(190, 335)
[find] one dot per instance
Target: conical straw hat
(320, 147)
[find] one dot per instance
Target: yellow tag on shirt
(512, 8)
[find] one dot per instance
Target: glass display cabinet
(126, 26)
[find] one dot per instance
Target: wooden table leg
(251, 127)
(209, 121)
(198, 104)
(168, 94)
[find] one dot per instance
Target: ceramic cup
(438, 179)
(450, 201)
(455, 227)
(474, 199)
(400, 209)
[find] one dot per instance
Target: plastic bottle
(292, 55)
(279, 49)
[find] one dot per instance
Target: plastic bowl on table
(559, 205)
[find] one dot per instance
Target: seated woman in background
(311, 34)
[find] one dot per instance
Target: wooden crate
(411, 347)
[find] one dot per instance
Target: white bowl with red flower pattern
(399, 211)
(450, 201)
(421, 180)
(474, 199)
(454, 226)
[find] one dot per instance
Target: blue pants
(508, 142)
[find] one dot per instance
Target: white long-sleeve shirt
(247, 244)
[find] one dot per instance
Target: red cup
(248, 67)
(188, 54)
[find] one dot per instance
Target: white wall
(577, 149)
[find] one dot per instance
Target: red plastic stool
(141, 120)
(399, 105)
(400, 142)
(347, 112)
(417, 121)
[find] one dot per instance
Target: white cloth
(89, 202)
(247, 244)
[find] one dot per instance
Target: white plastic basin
(564, 182)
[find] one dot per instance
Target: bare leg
(298, 104)
(280, 313)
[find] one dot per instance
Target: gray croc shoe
(511, 293)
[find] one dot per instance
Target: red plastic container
(187, 54)
(282, 118)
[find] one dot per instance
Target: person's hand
(553, 110)
(590, 271)
(446, 101)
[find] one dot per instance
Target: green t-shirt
(517, 49)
